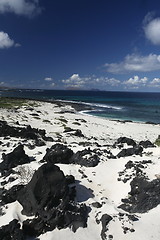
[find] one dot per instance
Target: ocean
(128, 106)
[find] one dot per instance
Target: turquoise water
(143, 107)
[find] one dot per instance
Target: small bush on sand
(25, 174)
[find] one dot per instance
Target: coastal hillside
(68, 175)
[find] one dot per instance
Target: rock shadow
(83, 193)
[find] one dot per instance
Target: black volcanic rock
(105, 221)
(11, 231)
(9, 196)
(13, 159)
(58, 153)
(137, 150)
(50, 199)
(144, 195)
(85, 158)
(23, 132)
(146, 144)
(126, 140)
(46, 189)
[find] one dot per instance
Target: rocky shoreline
(68, 175)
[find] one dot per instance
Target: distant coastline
(123, 106)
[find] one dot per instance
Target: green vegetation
(11, 102)
(157, 142)
(6, 102)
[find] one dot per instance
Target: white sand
(103, 182)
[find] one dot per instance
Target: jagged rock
(24, 132)
(49, 197)
(9, 196)
(78, 133)
(130, 151)
(96, 205)
(11, 231)
(47, 187)
(129, 165)
(13, 159)
(129, 141)
(58, 153)
(144, 195)
(146, 144)
(70, 179)
(105, 220)
(82, 158)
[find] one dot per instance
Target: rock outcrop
(13, 159)
(144, 195)
(11, 231)
(50, 199)
(58, 153)
(38, 135)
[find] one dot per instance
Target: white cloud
(53, 84)
(5, 41)
(136, 81)
(75, 81)
(20, 7)
(106, 80)
(135, 63)
(17, 45)
(152, 29)
(48, 79)
(155, 82)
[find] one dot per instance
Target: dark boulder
(146, 144)
(105, 221)
(73, 218)
(126, 140)
(49, 197)
(129, 165)
(70, 179)
(85, 158)
(130, 151)
(23, 132)
(96, 204)
(46, 188)
(144, 195)
(9, 196)
(11, 231)
(58, 153)
(14, 158)
(78, 133)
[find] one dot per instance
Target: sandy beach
(103, 186)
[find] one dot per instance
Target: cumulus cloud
(155, 82)
(48, 79)
(5, 41)
(135, 63)
(20, 7)
(75, 81)
(151, 28)
(136, 81)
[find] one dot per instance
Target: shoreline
(81, 108)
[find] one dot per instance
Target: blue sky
(82, 44)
